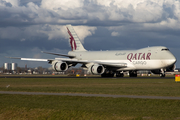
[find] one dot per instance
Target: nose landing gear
(162, 74)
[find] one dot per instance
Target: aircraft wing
(68, 60)
(107, 64)
(32, 59)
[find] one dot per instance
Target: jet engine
(96, 69)
(60, 66)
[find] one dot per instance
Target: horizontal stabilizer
(70, 56)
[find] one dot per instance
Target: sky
(28, 27)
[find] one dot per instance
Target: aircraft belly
(138, 64)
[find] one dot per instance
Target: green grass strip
(123, 86)
(41, 107)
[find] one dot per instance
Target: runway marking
(91, 95)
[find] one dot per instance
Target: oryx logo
(72, 41)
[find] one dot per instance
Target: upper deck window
(165, 49)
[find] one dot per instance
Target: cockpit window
(165, 49)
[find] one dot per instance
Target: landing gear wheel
(107, 75)
(162, 75)
(132, 73)
(118, 74)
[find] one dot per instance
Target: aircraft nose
(172, 60)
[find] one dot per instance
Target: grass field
(123, 86)
(22, 107)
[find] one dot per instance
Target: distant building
(14, 66)
(7, 66)
(10, 66)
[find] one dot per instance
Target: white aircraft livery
(157, 59)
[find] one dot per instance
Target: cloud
(115, 34)
(9, 3)
(53, 31)
(23, 39)
(89, 12)
(27, 24)
(84, 31)
(48, 17)
(57, 5)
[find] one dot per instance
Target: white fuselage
(149, 58)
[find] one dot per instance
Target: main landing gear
(119, 74)
(132, 73)
(111, 74)
(108, 74)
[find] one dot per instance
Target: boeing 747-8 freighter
(157, 59)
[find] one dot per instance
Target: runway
(91, 95)
(28, 76)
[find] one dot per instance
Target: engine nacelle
(96, 69)
(60, 66)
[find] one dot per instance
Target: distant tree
(19, 70)
(40, 70)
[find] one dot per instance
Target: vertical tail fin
(75, 43)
